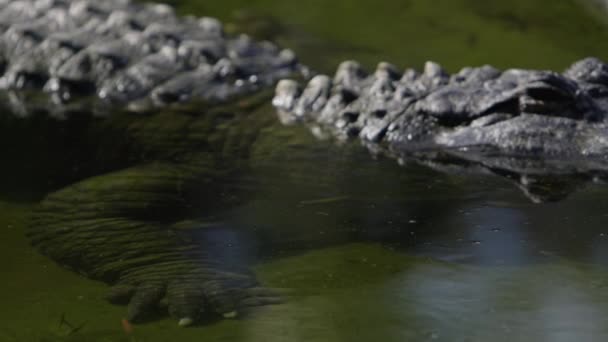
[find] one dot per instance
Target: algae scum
(361, 248)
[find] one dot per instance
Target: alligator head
(525, 122)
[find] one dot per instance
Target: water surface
(367, 249)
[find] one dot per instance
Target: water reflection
(498, 234)
(541, 303)
(482, 235)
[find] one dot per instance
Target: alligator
(134, 226)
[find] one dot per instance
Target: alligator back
(129, 54)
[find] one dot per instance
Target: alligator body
(134, 228)
(118, 53)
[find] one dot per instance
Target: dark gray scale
(411, 131)
(205, 68)
(198, 52)
(149, 13)
(323, 97)
(314, 97)
(212, 83)
(15, 12)
(591, 74)
(383, 107)
(228, 82)
(118, 24)
(52, 41)
(158, 35)
(349, 78)
(139, 79)
(173, 33)
(478, 75)
(35, 48)
(348, 83)
(58, 48)
(182, 87)
(230, 76)
(261, 62)
(589, 70)
(23, 63)
(339, 107)
(432, 78)
(99, 50)
(357, 114)
(83, 11)
(94, 65)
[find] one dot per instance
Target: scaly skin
(515, 112)
(124, 54)
(525, 122)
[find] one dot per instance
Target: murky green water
(366, 249)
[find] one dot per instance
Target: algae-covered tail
(139, 228)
